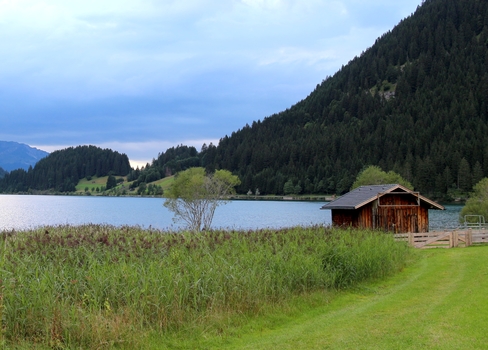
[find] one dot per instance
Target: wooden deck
(445, 239)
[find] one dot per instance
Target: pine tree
(464, 176)
(477, 173)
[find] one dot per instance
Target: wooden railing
(444, 239)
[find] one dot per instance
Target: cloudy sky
(139, 76)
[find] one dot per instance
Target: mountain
(61, 170)
(415, 102)
(170, 162)
(15, 155)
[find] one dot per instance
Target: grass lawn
(91, 184)
(164, 182)
(440, 302)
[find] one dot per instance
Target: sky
(140, 76)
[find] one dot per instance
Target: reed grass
(98, 286)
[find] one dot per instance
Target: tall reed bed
(98, 286)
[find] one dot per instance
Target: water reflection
(445, 219)
(23, 212)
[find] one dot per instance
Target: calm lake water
(24, 212)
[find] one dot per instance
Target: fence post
(469, 237)
(455, 238)
(411, 239)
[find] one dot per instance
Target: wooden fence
(444, 239)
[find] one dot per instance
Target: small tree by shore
(477, 204)
(194, 196)
(111, 182)
(374, 175)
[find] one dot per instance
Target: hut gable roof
(366, 194)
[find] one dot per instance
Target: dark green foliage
(175, 159)
(477, 173)
(416, 103)
(2, 173)
(61, 170)
(464, 175)
(154, 190)
(477, 204)
(288, 187)
(142, 188)
(111, 182)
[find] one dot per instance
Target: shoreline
(304, 198)
(243, 197)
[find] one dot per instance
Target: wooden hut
(388, 207)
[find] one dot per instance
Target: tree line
(61, 170)
(168, 163)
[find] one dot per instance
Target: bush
(477, 204)
(374, 175)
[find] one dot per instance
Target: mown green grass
(437, 303)
(95, 287)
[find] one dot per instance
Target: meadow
(91, 184)
(438, 302)
(97, 286)
(96, 185)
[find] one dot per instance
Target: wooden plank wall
(394, 212)
(399, 212)
(402, 219)
(341, 217)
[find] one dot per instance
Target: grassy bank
(437, 303)
(99, 286)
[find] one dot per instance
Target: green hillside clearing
(165, 182)
(101, 182)
(92, 184)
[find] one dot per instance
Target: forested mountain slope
(416, 102)
(61, 170)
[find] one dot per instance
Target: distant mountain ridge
(14, 155)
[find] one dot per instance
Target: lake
(27, 211)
